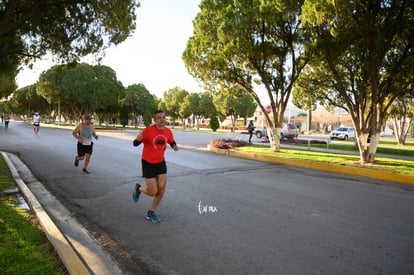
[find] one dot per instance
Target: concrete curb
(381, 175)
(67, 254)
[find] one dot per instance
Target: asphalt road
(224, 215)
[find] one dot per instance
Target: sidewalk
(78, 250)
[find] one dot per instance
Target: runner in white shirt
(36, 123)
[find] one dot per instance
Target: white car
(289, 130)
(344, 133)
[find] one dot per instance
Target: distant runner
(6, 121)
(36, 123)
(84, 133)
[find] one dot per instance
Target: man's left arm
(172, 142)
(174, 145)
(94, 134)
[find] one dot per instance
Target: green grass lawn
(24, 248)
(387, 147)
(383, 164)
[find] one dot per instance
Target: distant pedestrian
(36, 123)
(250, 129)
(84, 133)
(154, 169)
(6, 121)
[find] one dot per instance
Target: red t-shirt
(155, 142)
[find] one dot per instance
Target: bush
(214, 123)
(227, 143)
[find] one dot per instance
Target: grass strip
(382, 164)
(384, 147)
(24, 247)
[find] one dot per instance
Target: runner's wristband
(172, 144)
(136, 143)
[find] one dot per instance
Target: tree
(234, 104)
(256, 45)
(67, 29)
(18, 103)
(244, 106)
(7, 83)
(365, 52)
(26, 101)
(191, 106)
(81, 89)
(36, 102)
(402, 115)
(171, 102)
(207, 108)
(324, 119)
(138, 100)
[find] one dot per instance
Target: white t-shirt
(36, 119)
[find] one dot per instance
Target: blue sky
(152, 55)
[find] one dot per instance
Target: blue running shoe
(152, 217)
(135, 195)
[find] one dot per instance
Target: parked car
(289, 130)
(344, 133)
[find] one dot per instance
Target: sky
(152, 55)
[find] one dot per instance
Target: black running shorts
(150, 170)
(84, 149)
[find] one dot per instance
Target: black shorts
(84, 149)
(151, 170)
(37, 124)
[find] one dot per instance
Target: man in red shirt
(154, 169)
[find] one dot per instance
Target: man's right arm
(137, 141)
(75, 133)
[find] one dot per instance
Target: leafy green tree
(36, 102)
(234, 104)
(49, 87)
(138, 100)
(190, 106)
(67, 29)
(244, 106)
(171, 101)
(257, 45)
(365, 54)
(107, 91)
(81, 89)
(18, 103)
(402, 115)
(224, 104)
(206, 108)
(7, 83)
(25, 101)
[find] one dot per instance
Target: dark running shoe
(136, 193)
(85, 171)
(76, 161)
(152, 217)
